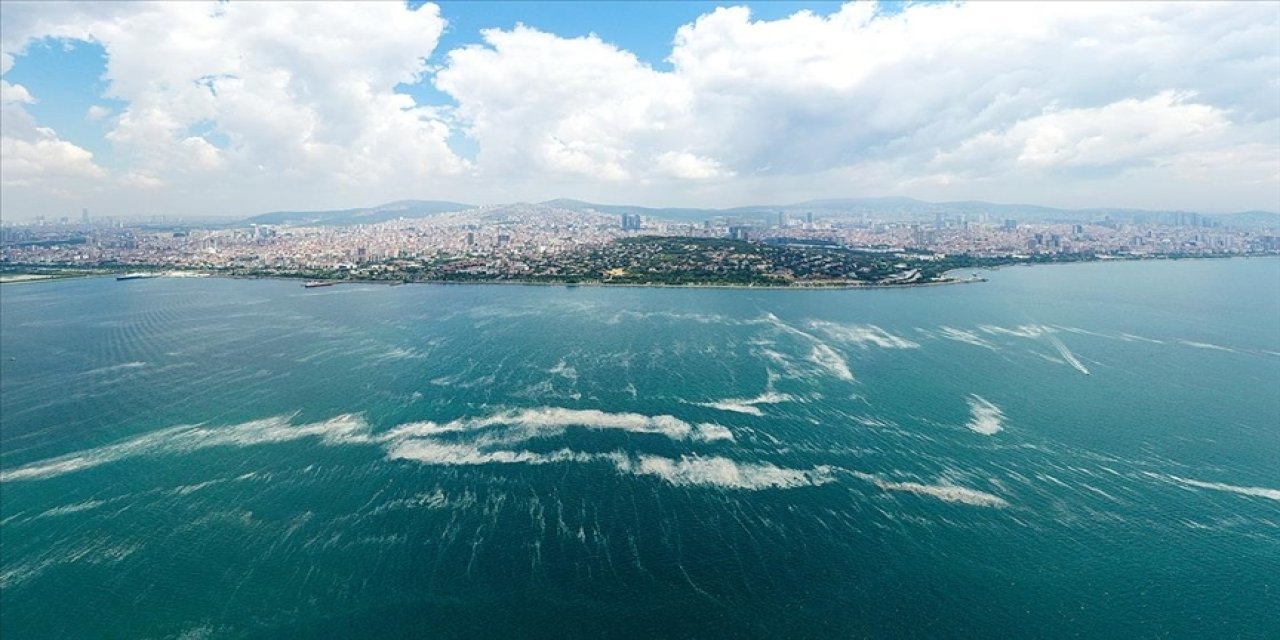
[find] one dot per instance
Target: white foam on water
(563, 370)
(789, 368)
(863, 335)
(686, 470)
(869, 421)
(1258, 492)
(1206, 345)
(341, 429)
(114, 368)
(748, 405)
(417, 441)
(736, 406)
(1021, 331)
(1033, 331)
(70, 508)
(96, 551)
(192, 488)
(942, 491)
(1132, 338)
(829, 360)
(1066, 353)
(700, 318)
(776, 322)
(552, 420)
(1048, 358)
(401, 353)
(444, 381)
(430, 451)
(723, 472)
(986, 418)
(967, 337)
(710, 432)
(1083, 332)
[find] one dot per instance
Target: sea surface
(1088, 450)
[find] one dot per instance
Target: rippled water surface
(1079, 450)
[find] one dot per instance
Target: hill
(371, 215)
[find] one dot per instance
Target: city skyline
(196, 109)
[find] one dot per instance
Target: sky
(235, 108)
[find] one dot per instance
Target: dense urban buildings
(544, 241)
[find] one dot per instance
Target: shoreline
(841, 286)
(46, 277)
(632, 285)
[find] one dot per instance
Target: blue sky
(643, 28)
(67, 75)
(284, 105)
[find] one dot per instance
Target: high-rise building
(782, 219)
(808, 217)
(84, 217)
(1011, 225)
(631, 222)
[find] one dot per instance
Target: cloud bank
(236, 107)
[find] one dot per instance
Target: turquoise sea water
(1065, 451)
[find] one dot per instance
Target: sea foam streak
(828, 359)
(563, 370)
(70, 508)
(686, 470)
(1032, 331)
(942, 491)
(552, 420)
(723, 472)
(1206, 345)
(748, 405)
(777, 323)
(1259, 492)
(521, 424)
(114, 368)
(863, 335)
(442, 453)
(186, 438)
(987, 418)
(1131, 338)
(967, 337)
(1021, 331)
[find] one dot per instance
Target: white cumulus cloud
(255, 105)
(289, 93)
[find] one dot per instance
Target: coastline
(32, 278)
(834, 286)
(632, 285)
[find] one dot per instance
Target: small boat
(311, 284)
(135, 276)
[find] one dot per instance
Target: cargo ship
(311, 284)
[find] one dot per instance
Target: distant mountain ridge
(368, 215)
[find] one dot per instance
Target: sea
(1062, 451)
